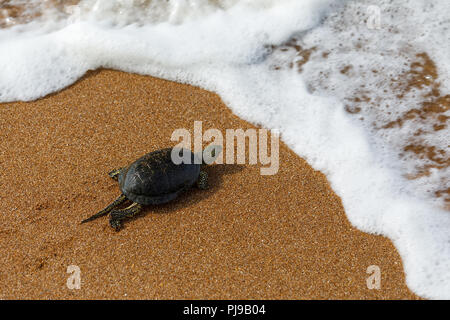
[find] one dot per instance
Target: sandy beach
(249, 236)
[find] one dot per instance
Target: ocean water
(360, 89)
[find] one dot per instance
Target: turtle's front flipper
(202, 182)
(118, 215)
(114, 173)
(121, 199)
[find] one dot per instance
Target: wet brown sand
(284, 236)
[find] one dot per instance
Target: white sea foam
(222, 46)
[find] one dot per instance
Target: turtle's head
(211, 153)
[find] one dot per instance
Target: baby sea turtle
(156, 178)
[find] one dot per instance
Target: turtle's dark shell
(155, 179)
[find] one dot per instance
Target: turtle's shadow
(193, 195)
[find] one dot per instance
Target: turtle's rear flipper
(202, 182)
(118, 215)
(121, 199)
